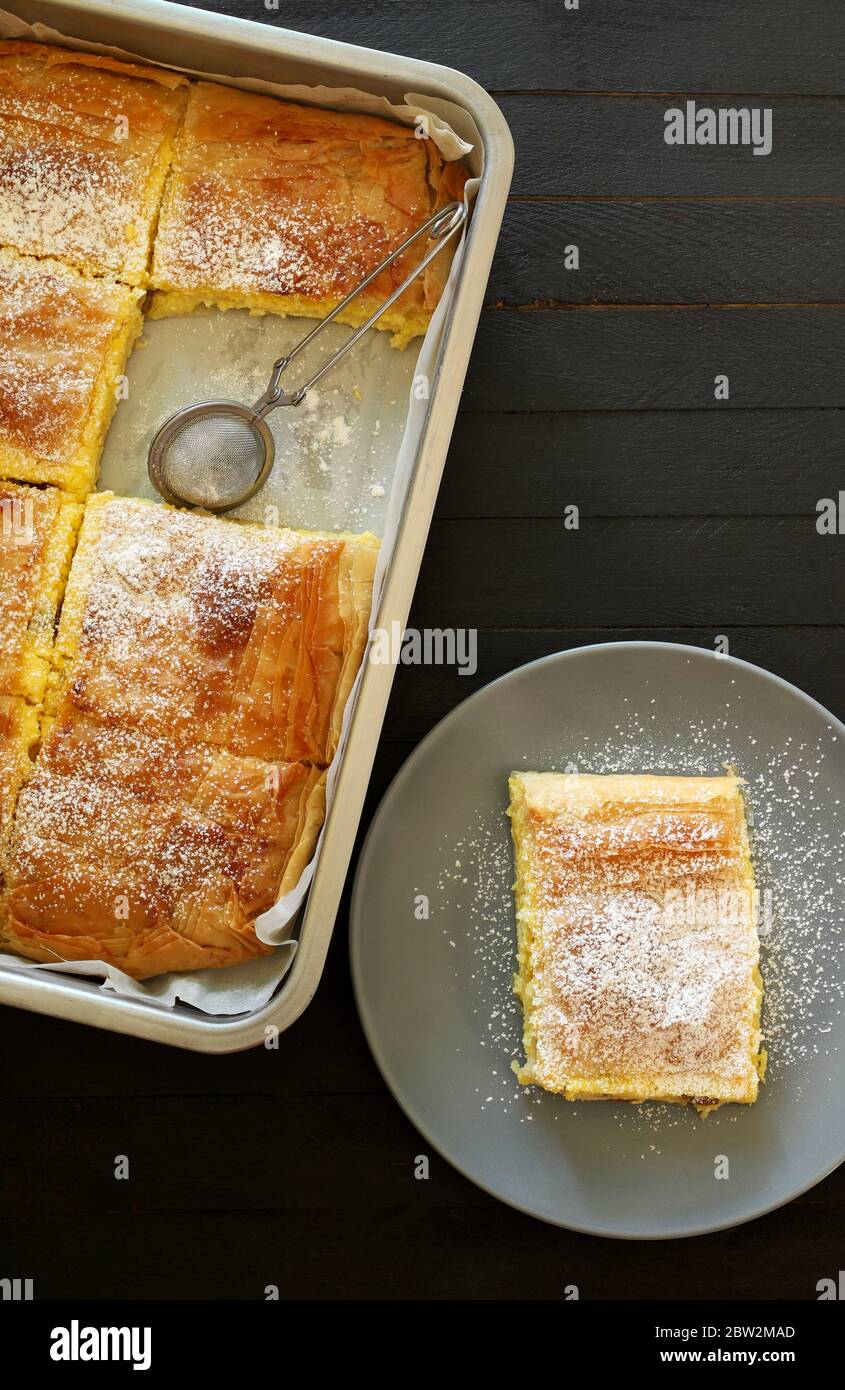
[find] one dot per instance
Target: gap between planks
(576, 307)
(498, 92)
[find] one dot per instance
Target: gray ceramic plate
(433, 932)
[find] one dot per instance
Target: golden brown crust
(64, 339)
(638, 950)
(285, 207)
(196, 690)
(150, 855)
(18, 735)
(246, 637)
(85, 144)
(200, 674)
(50, 56)
(37, 531)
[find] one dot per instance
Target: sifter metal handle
(441, 226)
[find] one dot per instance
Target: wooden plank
(315, 1153)
(345, 1151)
(813, 658)
(613, 146)
(413, 1250)
(626, 572)
(643, 463)
(637, 359)
(325, 1051)
(676, 252)
(742, 45)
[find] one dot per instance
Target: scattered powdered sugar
(483, 861)
(798, 849)
(79, 145)
(55, 328)
(275, 198)
(75, 207)
(335, 453)
(320, 428)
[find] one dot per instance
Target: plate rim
(355, 915)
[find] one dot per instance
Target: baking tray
(197, 39)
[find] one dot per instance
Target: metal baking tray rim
(82, 1000)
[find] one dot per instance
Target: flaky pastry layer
(64, 340)
(637, 938)
(199, 677)
(151, 855)
(85, 145)
(38, 528)
(282, 208)
(18, 735)
(200, 629)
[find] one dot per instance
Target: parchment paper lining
(345, 462)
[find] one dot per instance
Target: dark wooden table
(593, 387)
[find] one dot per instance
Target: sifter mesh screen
(211, 460)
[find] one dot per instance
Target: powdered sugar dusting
(55, 328)
(799, 860)
(78, 146)
(26, 518)
(274, 198)
(78, 208)
(205, 629)
(331, 451)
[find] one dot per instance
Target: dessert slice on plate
(637, 938)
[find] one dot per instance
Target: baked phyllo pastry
(280, 208)
(18, 735)
(64, 340)
(637, 938)
(37, 530)
(85, 144)
(198, 629)
(151, 855)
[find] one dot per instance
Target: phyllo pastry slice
(37, 530)
(282, 208)
(18, 737)
(199, 629)
(85, 144)
(153, 856)
(64, 340)
(637, 938)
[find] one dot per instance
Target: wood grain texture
(629, 571)
(675, 252)
(294, 1167)
(658, 359)
(643, 463)
(613, 146)
(469, 1248)
(606, 45)
(812, 658)
(380, 1148)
